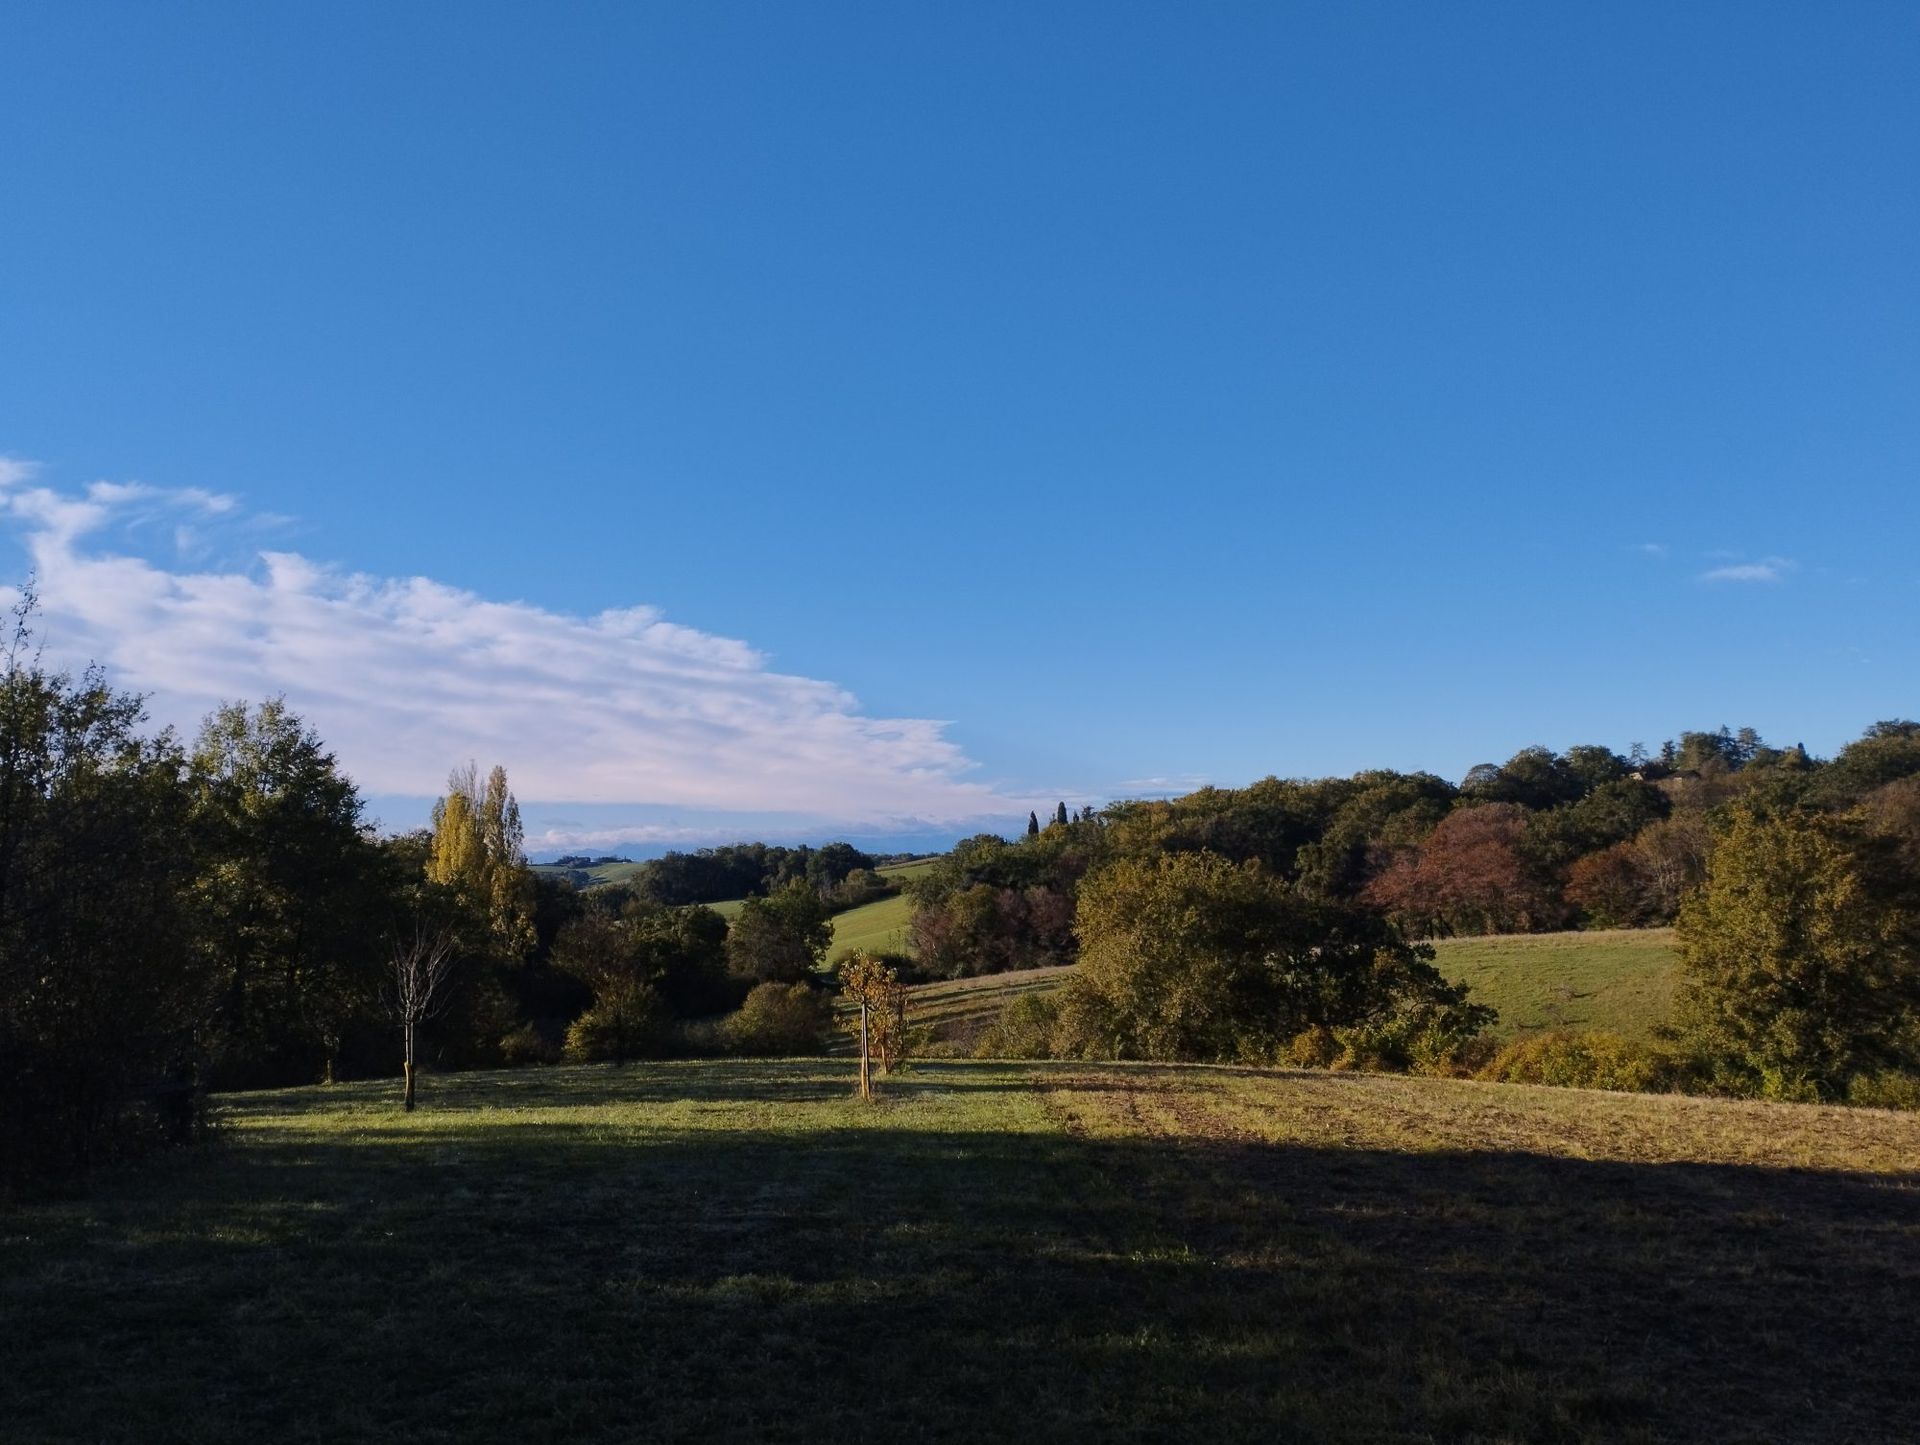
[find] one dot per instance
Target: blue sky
(1147, 394)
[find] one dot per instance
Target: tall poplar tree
(479, 851)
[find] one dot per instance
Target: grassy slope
(1621, 979)
(992, 1251)
(597, 875)
(880, 926)
(623, 872)
(900, 872)
(958, 1010)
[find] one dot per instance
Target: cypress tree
(1033, 824)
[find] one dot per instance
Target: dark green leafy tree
(289, 894)
(1192, 956)
(1801, 956)
(1887, 752)
(782, 938)
(104, 993)
(627, 1018)
(1386, 813)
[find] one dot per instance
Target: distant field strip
(901, 872)
(1621, 979)
(598, 875)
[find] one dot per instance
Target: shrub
(1314, 1048)
(863, 885)
(1193, 957)
(1065, 1024)
(1417, 1036)
(1024, 1030)
(1884, 1091)
(624, 1023)
(527, 1045)
(778, 1019)
(1584, 1060)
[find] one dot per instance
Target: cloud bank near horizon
(404, 677)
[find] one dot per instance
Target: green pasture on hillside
(699, 1251)
(877, 927)
(599, 874)
(1622, 979)
(894, 872)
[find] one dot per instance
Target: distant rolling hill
(880, 926)
(590, 877)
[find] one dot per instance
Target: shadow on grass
(866, 1275)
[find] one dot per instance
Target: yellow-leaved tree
(479, 852)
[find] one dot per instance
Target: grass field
(1623, 980)
(698, 1251)
(1618, 979)
(597, 875)
(879, 927)
(900, 872)
(957, 1011)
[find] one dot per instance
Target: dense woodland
(1542, 841)
(186, 914)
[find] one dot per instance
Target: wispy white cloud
(558, 837)
(1770, 569)
(1657, 550)
(404, 675)
(1161, 786)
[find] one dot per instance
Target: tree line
(1543, 841)
(1280, 923)
(180, 914)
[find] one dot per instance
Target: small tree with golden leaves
(881, 1024)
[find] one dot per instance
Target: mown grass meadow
(1060, 1251)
